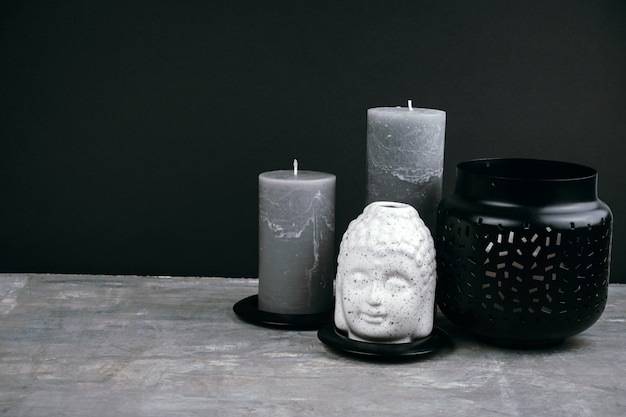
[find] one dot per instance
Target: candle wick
(295, 167)
(411, 105)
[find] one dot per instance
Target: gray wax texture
(296, 242)
(405, 154)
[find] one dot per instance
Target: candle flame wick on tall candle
(295, 167)
(411, 105)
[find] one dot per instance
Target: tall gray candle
(405, 157)
(296, 241)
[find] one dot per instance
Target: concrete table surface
(73, 345)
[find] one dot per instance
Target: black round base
(383, 351)
(248, 310)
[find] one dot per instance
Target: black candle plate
(248, 310)
(383, 351)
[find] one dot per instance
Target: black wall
(132, 133)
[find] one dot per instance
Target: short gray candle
(405, 150)
(296, 241)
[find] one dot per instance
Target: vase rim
(528, 169)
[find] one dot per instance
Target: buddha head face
(386, 276)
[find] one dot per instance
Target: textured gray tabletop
(145, 346)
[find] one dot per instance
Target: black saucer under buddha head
(417, 349)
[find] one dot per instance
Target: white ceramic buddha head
(386, 276)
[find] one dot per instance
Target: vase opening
(526, 182)
(528, 169)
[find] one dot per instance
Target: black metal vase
(523, 251)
